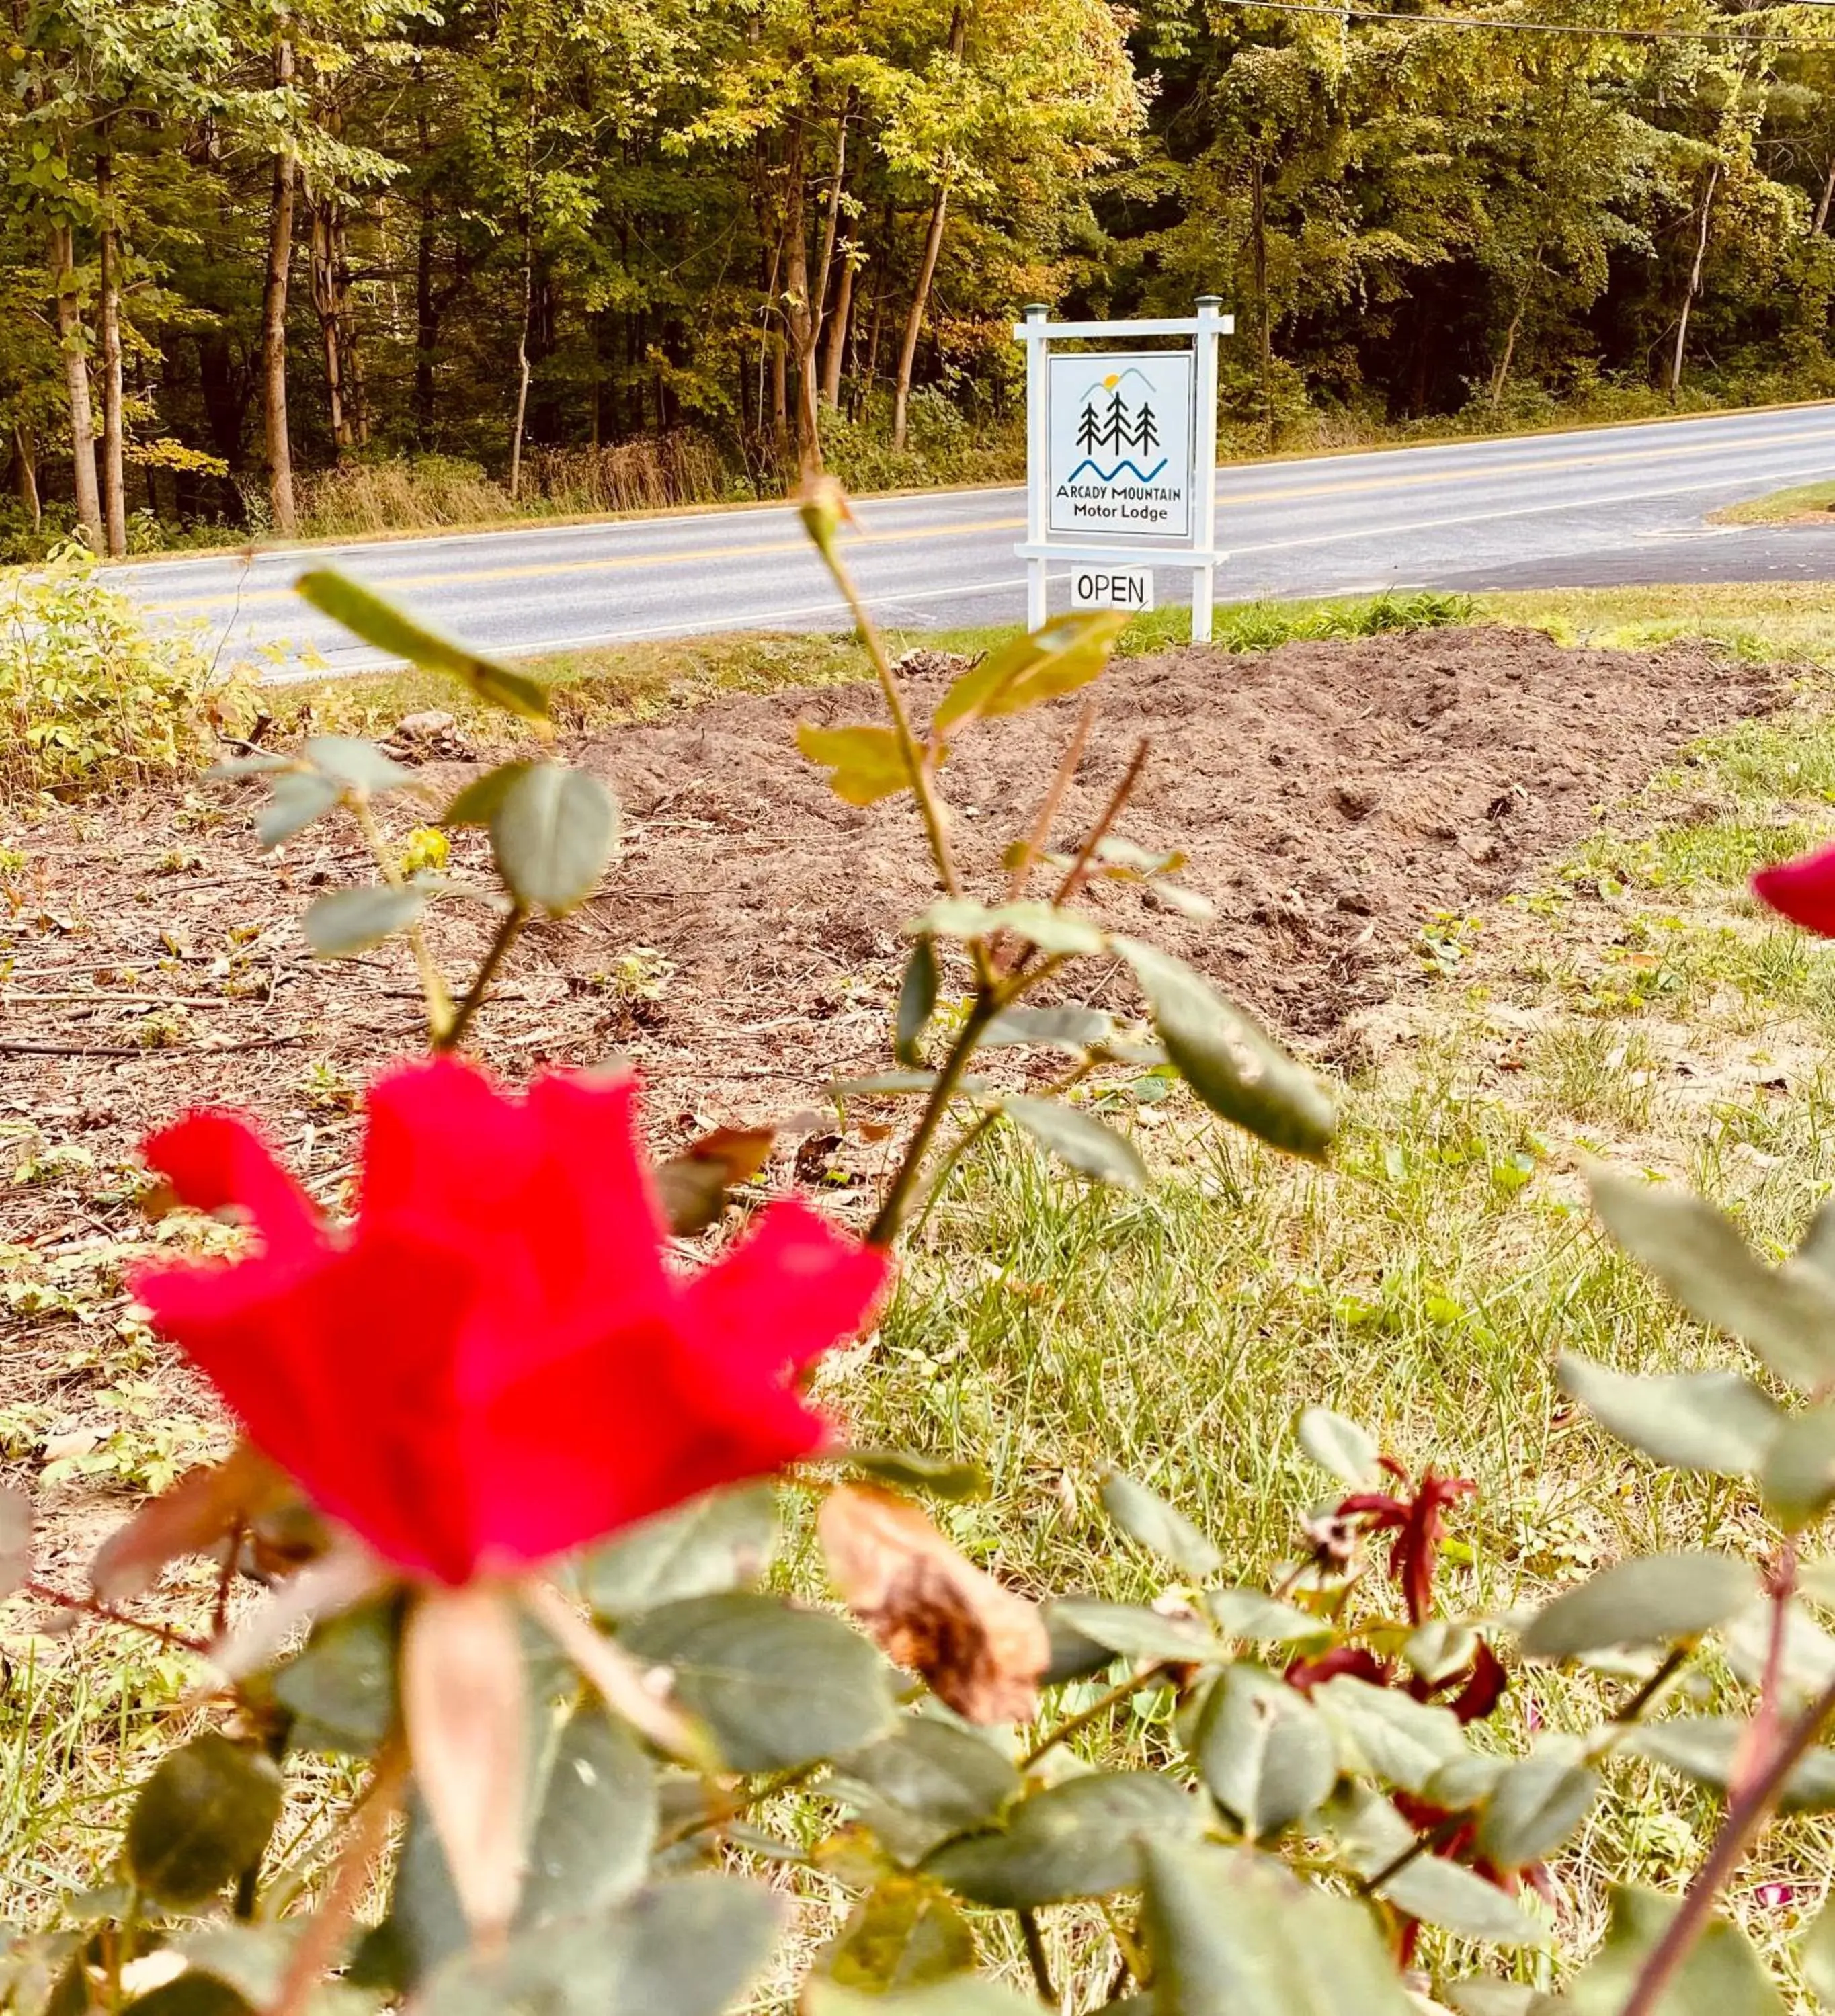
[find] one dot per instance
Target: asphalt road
(1616, 506)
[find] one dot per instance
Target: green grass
(1781, 507)
(1792, 620)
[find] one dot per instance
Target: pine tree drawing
(1146, 435)
(1089, 434)
(1115, 432)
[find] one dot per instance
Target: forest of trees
(252, 241)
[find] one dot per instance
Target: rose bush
(522, 1475)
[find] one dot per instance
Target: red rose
(495, 1363)
(1803, 890)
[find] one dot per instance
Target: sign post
(1121, 460)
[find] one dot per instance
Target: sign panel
(1096, 587)
(1120, 434)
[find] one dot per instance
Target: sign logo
(1120, 430)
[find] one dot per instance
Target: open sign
(1112, 588)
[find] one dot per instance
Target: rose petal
(214, 1160)
(1803, 890)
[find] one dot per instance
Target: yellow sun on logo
(1114, 378)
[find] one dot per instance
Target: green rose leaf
(1704, 1747)
(917, 1004)
(1073, 1030)
(689, 1946)
(1079, 1139)
(925, 1782)
(1060, 656)
(1338, 1445)
(722, 1540)
(1718, 1422)
(1060, 932)
(903, 1934)
(1228, 1059)
(1722, 1975)
(380, 624)
(966, 1995)
(1391, 1735)
(341, 1687)
(1150, 1522)
(939, 1476)
(1081, 1838)
(591, 1809)
(1137, 1633)
(1815, 1955)
(298, 798)
(1263, 1620)
(1264, 1750)
(864, 765)
(1647, 1601)
(356, 763)
(1786, 1313)
(202, 1819)
(1798, 1475)
(1532, 1810)
(1233, 1933)
(1373, 1836)
(349, 921)
(552, 833)
(476, 804)
(778, 1687)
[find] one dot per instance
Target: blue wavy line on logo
(1110, 475)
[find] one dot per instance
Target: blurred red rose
(1804, 891)
(495, 1363)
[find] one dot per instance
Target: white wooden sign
(1093, 587)
(1121, 459)
(1120, 456)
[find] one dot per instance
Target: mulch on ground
(1332, 799)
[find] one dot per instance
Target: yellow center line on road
(607, 563)
(536, 569)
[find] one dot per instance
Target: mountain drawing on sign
(1107, 423)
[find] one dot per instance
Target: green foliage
(91, 698)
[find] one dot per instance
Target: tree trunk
(1501, 377)
(522, 361)
(838, 332)
(1260, 209)
(1824, 200)
(325, 279)
(933, 244)
(1675, 363)
(801, 314)
(278, 441)
(25, 473)
(426, 315)
(933, 241)
(114, 499)
(76, 371)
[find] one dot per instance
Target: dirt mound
(1331, 798)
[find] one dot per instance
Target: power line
(1714, 36)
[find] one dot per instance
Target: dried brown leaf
(693, 1185)
(205, 1506)
(983, 1649)
(462, 1708)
